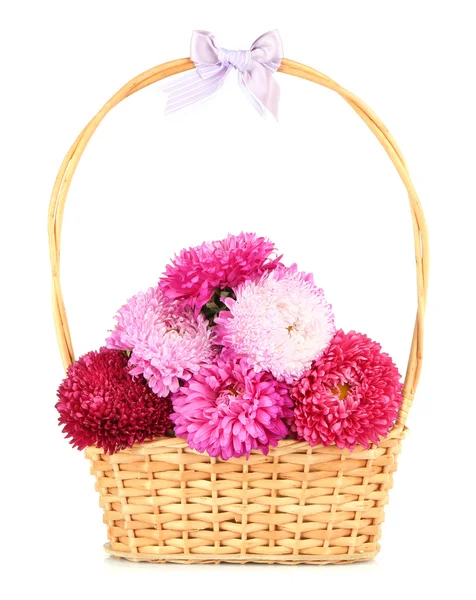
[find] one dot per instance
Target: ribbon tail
(272, 100)
(255, 101)
(192, 88)
(261, 84)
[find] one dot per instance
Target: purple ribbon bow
(255, 72)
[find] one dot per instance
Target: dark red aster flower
(101, 404)
(349, 396)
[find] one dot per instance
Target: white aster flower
(281, 323)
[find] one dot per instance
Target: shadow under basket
(164, 502)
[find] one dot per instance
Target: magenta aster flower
(167, 342)
(350, 396)
(100, 403)
(227, 409)
(281, 322)
(195, 273)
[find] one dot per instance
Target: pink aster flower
(133, 319)
(195, 273)
(167, 342)
(282, 322)
(227, 409)
(100, 403)
(350, 396)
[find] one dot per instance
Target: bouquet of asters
(233, 351)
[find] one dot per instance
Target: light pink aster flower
(167, 342)
(227, 409)
(282, 322)
(133, 319)
(196, 272)
(349, 396)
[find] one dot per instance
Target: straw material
(163, 501)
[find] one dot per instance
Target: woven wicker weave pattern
(163, 501)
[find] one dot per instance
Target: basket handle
(70, 162)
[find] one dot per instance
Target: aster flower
(167, 342)
(196, 273)
(100, 403)
(133, 319)
(282, 322)
(227, 409)
(350, 396)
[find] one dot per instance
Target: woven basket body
(163, 501)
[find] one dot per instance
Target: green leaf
(215, 305)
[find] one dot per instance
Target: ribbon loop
(255, 69)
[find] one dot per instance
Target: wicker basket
(163, 501)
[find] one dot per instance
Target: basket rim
(397, 432)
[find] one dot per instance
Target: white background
(317, 183)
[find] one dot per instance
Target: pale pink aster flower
(167, 342)
(133, 319)
(196, 272)
(282, 322)
(350, 396)
(227, 409)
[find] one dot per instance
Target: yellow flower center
(342, 389)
